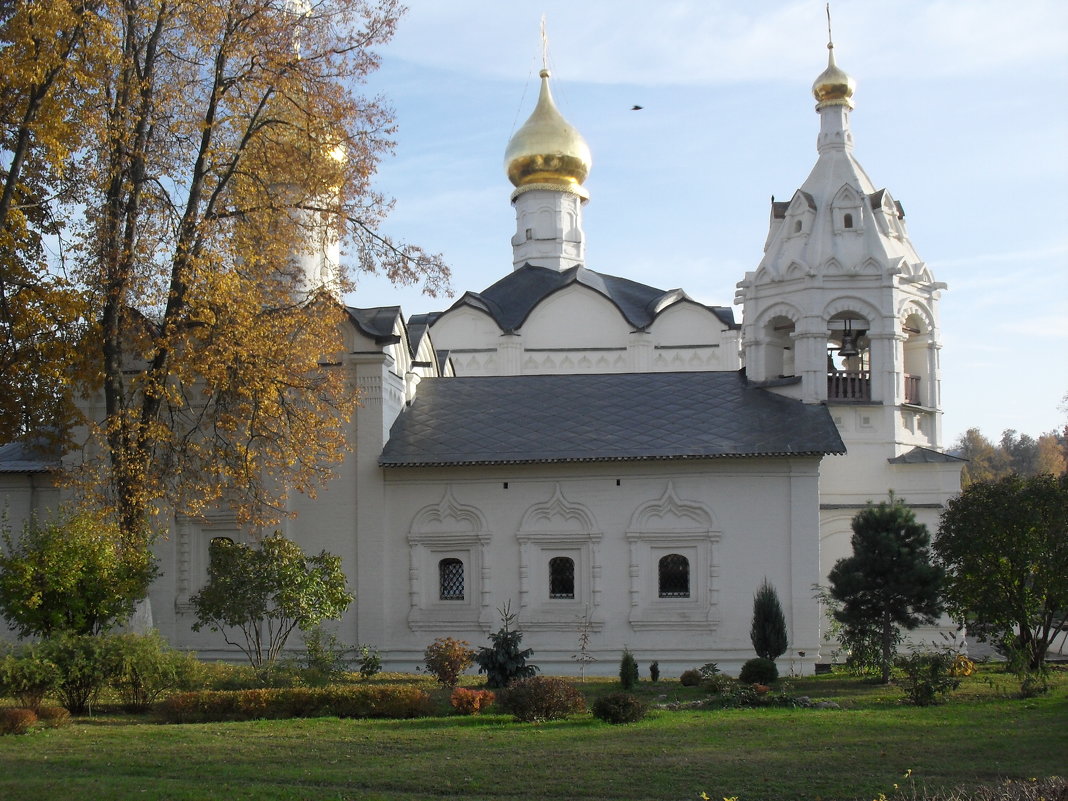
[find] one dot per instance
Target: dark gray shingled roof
(602, 417)
(511, 299)
(920, 455)
(376, 322)
(27, 457)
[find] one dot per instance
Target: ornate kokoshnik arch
(669, 525)
(448, 530)
(779, 309)
(852, 303)
(910, 307)
(559, 527)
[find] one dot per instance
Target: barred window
(562, 577)
(451, 575)
(674, 576)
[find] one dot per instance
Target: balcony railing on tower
(849, 385)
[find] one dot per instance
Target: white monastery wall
(736, 521)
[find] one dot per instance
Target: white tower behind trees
(842, 311)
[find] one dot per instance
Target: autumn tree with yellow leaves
(210, 146)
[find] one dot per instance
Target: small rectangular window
(451, 575)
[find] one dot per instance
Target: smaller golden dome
(834, 87)
(547, 149)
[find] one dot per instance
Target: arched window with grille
(674, 576)
(451, 579)
(562, 577)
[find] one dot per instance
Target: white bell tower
(842, 311)
(841, 300)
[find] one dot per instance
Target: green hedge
(380, 701)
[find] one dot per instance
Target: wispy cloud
(703, 42)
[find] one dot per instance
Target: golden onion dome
(834, 87)
(547, 149)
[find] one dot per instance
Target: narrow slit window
(674, 576)
(797, 227)
(847, 221)
(562, 577)
(451, 575)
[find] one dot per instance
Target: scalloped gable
(511, 300)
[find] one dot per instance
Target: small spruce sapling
(503, 661)
(768, 632)
(628, 670)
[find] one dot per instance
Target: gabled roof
(920, 455)
(28, 457)
(511, 300)
(377, 322)
(603, 417)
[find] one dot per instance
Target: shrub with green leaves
(146, 667)
(27, 676)
(708, 670)
(447, 659)
(654, 671)
(628, 670)
(927, 676)
(369, 661)
(690, 678)
(272, 589)
(86, 664)
(541, 698)
(325, 658)
(504, 661)
(759, 671)
(619, 708)
(71, 574)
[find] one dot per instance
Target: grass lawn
(981, 736)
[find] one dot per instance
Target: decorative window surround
(192, 539)
(441, 531)
(666, 526)
(558, 527)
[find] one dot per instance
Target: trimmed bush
(628, 670)
(541, 698)
(759, 671)
(690, 678)
(53, 717)
(619, 708)
(16, 720)
(380, 701)
(447, 658)
(471, 702)
(654, 672)
(28, 677)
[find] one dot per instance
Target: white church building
(595, 451)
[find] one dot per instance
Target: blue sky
(961, 112)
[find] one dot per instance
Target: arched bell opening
(779, 348)
(917, 363)
(848, 358)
